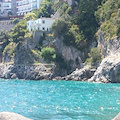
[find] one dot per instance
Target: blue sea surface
(60, 100)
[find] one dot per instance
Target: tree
(45, 10)
(29, 16)
(4, 37)
(16, 20)
(87, 21)
(60, 27)
(48, 54)
(94, 55)
(19, 31)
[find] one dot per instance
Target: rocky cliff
(70, 54)
(108, 71)
(108, 47)
(24, 71)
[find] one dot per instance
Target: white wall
(46, 26)
(43, 24)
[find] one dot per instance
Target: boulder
(108, 70)
(12, 116)
(81, 74)
(117, 117)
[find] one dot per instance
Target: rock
(59, 78)
(81, 74)
(117, 117)
(70, 54)
(108, 47)
(12, 116)
(22, 71)
(108, 71)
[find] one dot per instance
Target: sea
(60, 100)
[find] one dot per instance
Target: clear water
(60, 100)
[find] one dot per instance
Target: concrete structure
(5, 8)
(26, 6)
(6, 25)
(43, 24)
(14, 7)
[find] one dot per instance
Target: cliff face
(69, 53)
(19, 63)
(110, 46)
(109, 69)
(23, 71)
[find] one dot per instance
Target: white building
(43, 24)
(5, 8)
(26, 6)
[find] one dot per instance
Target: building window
(43, 28)
(47, 29)
(43, 21)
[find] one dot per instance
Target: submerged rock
(12, 116)
(108, 71)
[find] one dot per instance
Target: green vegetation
(35, 54)
(48, 54)
(10, 49)
(77, 26)
(4, 38)
(30, 16)
(87, 21)
(65, 9)
(94, 56)
(16, 20)
(45, 10)
(108, 16)
(60, 27)
(18, 32)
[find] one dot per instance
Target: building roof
(42, 18)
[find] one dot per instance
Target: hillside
(83, 33)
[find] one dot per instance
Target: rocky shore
(107, 72)
(22, 71)
(79, 74)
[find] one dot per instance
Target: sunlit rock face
(109, 70)
(12, 116)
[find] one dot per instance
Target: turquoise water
(60, 100)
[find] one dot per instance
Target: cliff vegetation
(72, 40)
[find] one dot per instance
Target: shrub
(10, 49)
(19, 31)
(16, 20)
(94, 56)
(35, 55)
(48, 54)
(60, 26)
(108, 16)
(69, 10)
(30, 16)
